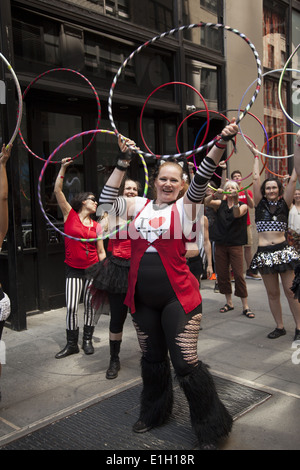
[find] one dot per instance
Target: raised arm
(3, 193)
(109, 200)
(65, 207)
(196, 192)
(257, 196)
(290, 189)
(297, 155)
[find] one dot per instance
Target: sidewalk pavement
(38, 389)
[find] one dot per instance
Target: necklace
(88, 236)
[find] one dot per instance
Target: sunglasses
(92, 199)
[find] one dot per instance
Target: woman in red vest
(164, 296)
(78, 223)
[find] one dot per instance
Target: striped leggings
(75, 286)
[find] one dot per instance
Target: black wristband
(121, 168)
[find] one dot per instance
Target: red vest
(172, 253)
(79, 254)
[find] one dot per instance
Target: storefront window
(55, 129)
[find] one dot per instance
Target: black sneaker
(297, 335)
(277, 333)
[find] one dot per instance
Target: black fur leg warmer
(209, 417)
(157, 393)
(296, 283)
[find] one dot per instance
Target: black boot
(87, 344)
(156, 396)
(114, 364)
(71, 346)
(209, 417)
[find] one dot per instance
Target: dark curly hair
(76, 202)
(277, 181)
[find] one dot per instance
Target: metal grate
(107, 425)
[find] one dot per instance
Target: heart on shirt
(157, 222)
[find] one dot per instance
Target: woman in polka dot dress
(274, 257)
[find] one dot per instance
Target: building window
(202, 77)
(210, 5)
(207, 12)
(274, 34)
(38, 43)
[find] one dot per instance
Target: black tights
(118, 312)
(162, 325)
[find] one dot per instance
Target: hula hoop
(279, 88)
(98, 109)
(255, 117)
(20, 100)
(163, 35)
(273, 137)
(85, 240)
(261, 153)
(158, 88)
(228, 192)
(242, 179)
(181, 124)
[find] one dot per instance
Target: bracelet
(122, 165)
(220, 146)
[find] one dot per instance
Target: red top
(120, 246)
(172, 253)
(243, 198)
(79, 254)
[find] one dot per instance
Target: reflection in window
(276, 123)
(37, 42)
(274, 35)
(275, 48)
(154, 14)
(203, 77)
(211, 5)
(207, 12)
(169, 137)
(211, 38)
(104, 56)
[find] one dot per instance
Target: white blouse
(294, 219)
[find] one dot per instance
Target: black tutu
(109, 276)
(275, 259)
(296, 283)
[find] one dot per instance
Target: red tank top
(172, 253)
(79, 254)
